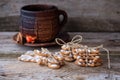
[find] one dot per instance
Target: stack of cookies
(67, 53)
(43, 57)
(86, 56)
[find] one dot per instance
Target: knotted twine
(76, 42)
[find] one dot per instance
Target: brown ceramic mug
(42, 21)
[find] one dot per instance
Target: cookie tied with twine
(66, 48)
(83, 58)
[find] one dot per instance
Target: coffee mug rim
(54, 8)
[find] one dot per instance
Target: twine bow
(75, 40)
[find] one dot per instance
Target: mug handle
(65, 17)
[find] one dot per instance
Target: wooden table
(12, 69)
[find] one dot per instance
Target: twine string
(86, 58)
(108, 57)
(57, 41)
(109, 63)
(75, 40)
(108, 54)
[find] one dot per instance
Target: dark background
(84, 15)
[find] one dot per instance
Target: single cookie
(53, 66)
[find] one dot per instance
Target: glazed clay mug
(42, 21)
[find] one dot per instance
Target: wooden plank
(110, 40)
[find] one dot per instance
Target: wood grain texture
(110, 40)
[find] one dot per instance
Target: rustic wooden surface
(110, 40)
(12, 69)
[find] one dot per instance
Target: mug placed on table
(42, 21)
